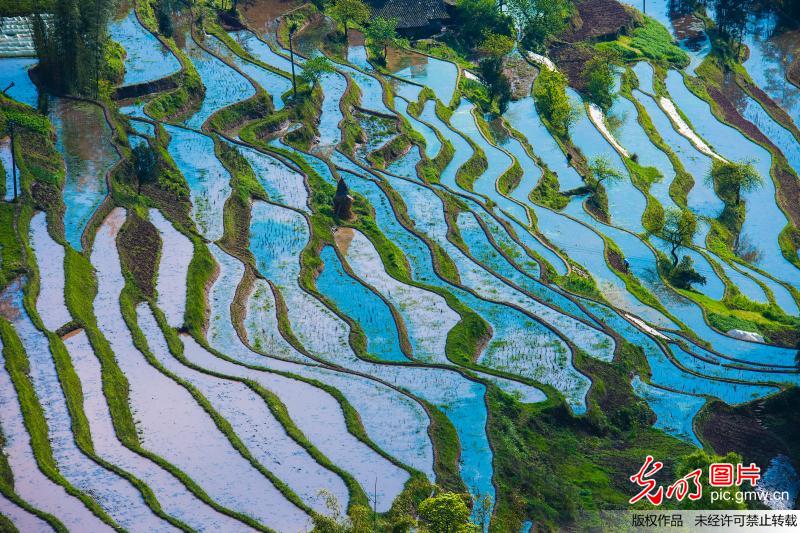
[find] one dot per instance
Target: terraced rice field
(217, 347)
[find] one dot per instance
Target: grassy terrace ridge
(235, 240)
(548, 464)
(41, 178)
(188, 96)
(711, 72)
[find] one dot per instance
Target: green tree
(733, 178)
(72, 48)
(445, 513)
(349, 11)
(314, 68)
(495, 47)
(552, 101)
(702, 460)
(602, 172)
(539, 20)
(144, 164)
(477, 18)
(381, 33)
(598, 78)
(679, 229)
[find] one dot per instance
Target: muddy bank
(788, 186)
(597, 19)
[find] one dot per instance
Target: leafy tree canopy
(496, 46)
(679, 229)
(349, 11)
(445, 513)
(314, 68)
(733, 178)
(381, 33)
(598, 76)
(477, 18)
(552, 101)
(539, 20)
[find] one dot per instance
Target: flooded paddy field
(266, 271)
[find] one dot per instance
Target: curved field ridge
(166, 413)
(316, 412)
(173, 269)
(116, 495)
(29, 482)
(173, 496)
(246, 412)
(426, 314)
(50, 261)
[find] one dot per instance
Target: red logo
(689, 486)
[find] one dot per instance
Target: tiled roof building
(415, 18)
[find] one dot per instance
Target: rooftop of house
(410, 13)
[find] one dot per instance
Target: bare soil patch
(597, 19)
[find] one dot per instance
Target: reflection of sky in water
(84, 141)
(439, 75)
(224, 86)
(764, 220)
(770, 57)
(146, 58)
(15, 70)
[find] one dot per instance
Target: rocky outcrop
(746, 335)
(342, 201)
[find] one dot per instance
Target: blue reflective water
(432, 142)
(769, 58)
(262, 51)
(642, 264)
(625, 202)
(406, 165)
(745, 284)
(675, 412)
(633, 138)
(519, 344)
(281, 183)
(644, 72)
(701, 199)
(277, 236)
(143, 128)
(775, 132)
(586, 248)
(83, 138)
(371, 89)
(764, 220)
(409, 91)
(333, 86)
(463, 151)
(714, 287)
(15, 70)
(146, 58)
(523, 117)
(224, 86)
(362, 305)
(208, 180)
(726, 391)
(439, 75)
(498, 161)
(782, 295)
(481, 248)
(317, 164)
(275, 84)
